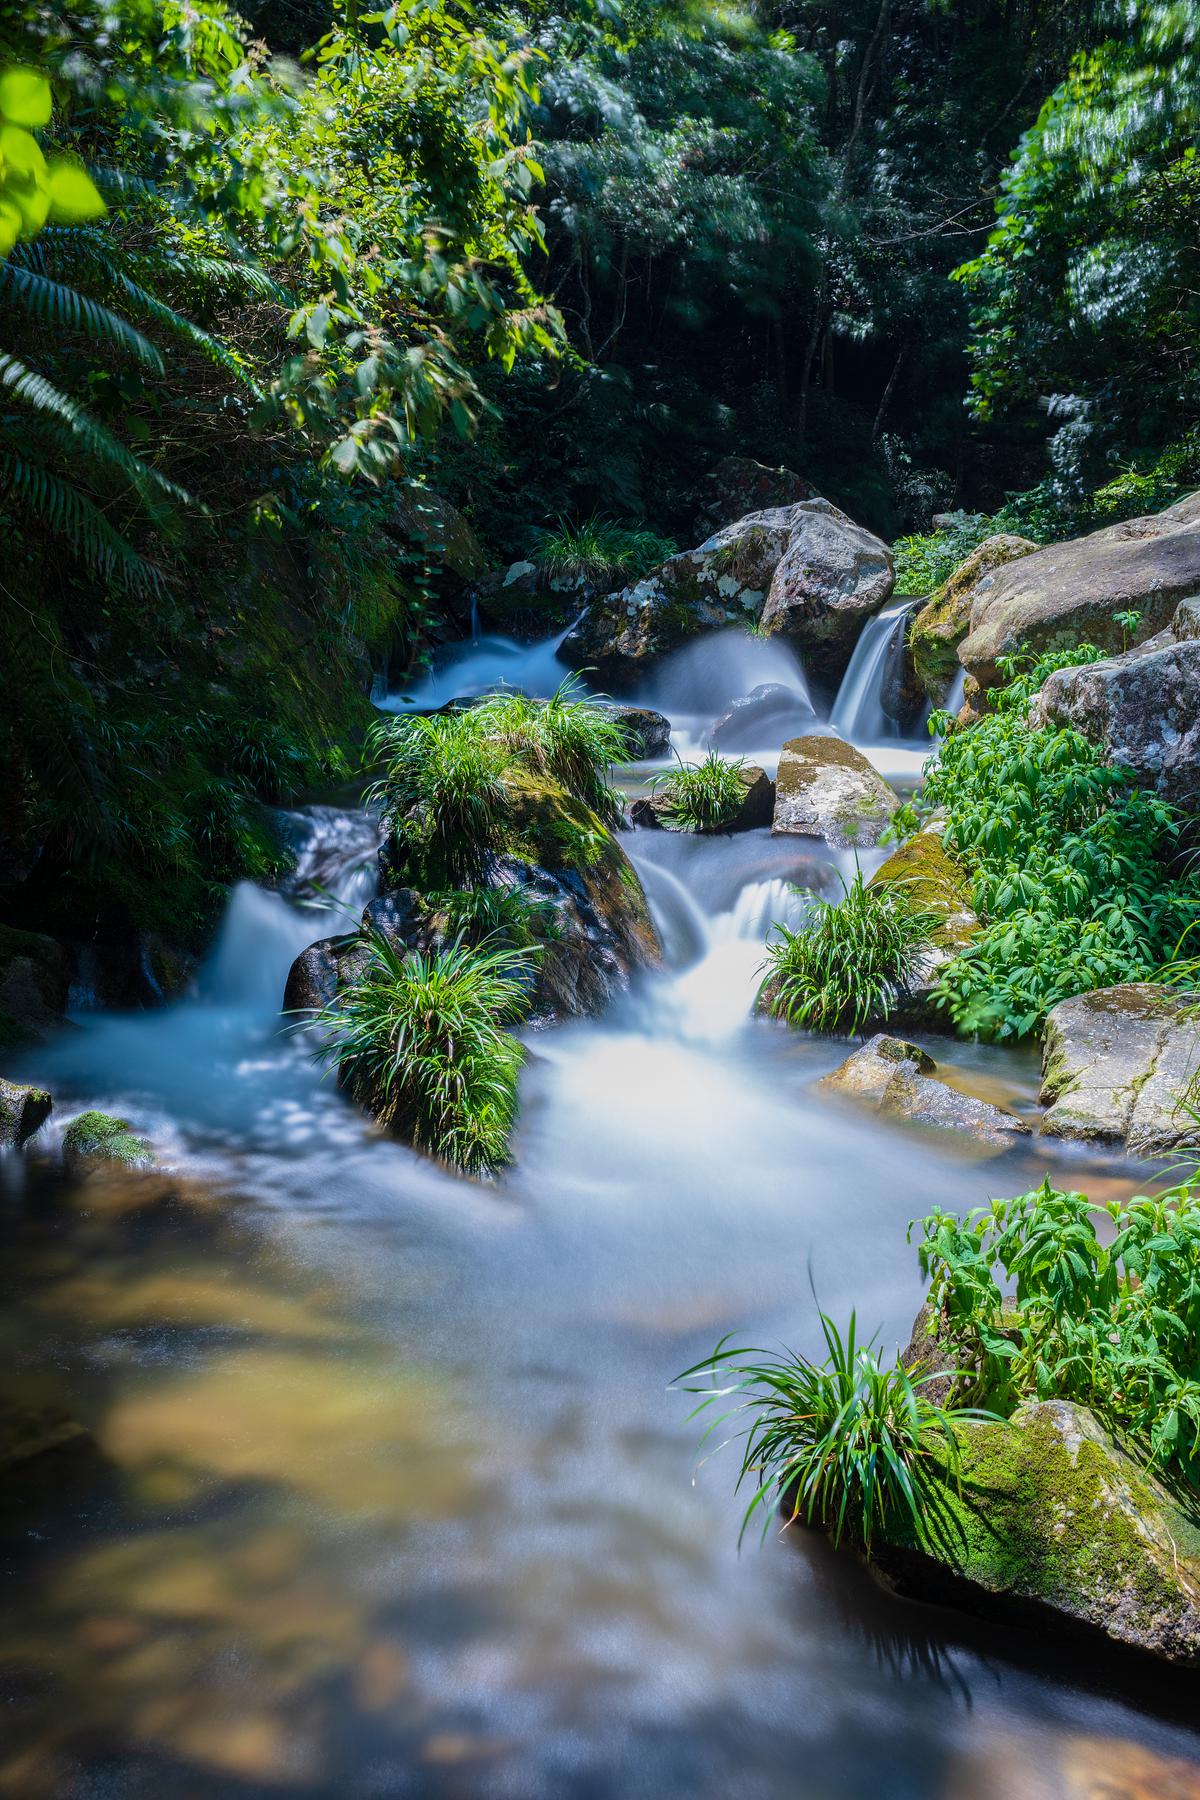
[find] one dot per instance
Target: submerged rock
(825, 788)
(1052, 1522)
(899, 1080)
(942, 623)
(1117, 1066)
(766, 715)
(806, 571)
(23, 1110)
(1066, 594)
(1142, 708)
(99, 1137)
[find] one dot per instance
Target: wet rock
(1142, 708)
(739, 485)
(943, 621)
(936, 881)
(898, 1079)
(827, 789)
(648, 733)
(34, 987)
(652, 812)
(422, 515)
(313, 978)
(1117, 1065)
(806, 571)
(765, 716)
(832, 577)
(1053, 1523)
(23, 1110)
(1066, 594)
(526, 603)
(99, 1137)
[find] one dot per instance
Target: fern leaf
(55, 505)
(36, 391)
(55, 304)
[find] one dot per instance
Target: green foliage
(600, 550)
(1113, 1325)
(841, 970)
(99, 1134)
(1066, 856)
(568, 738)
(502, 915)
(703, 796)
(924, 562)
(422, 1040)
(850, 1444)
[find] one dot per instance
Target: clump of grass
(599, 549)
(568, 738)
(844, 968)
(505, 915)
(849, 1444)
(421, 1039)
(703, 796)
(442, 791)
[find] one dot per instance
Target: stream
(393, 1498)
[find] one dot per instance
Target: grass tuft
(703, 796)
(843, 969)
(600, 550)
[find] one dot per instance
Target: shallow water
(395, 1499)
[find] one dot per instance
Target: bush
(1115, 1327)
(704, 796)
(1066, 856)
(421, 1040)
(843, 969)
(924, 562)
(600, 550)
(847, 1444)
(567, 737)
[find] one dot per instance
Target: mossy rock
(935, 880)
(827, 789)
(23, 1110)
(942, 623)
(33, 987)
(1053, 1521)
(97, 1135)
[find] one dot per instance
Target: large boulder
(900, 1081)
(825, 788)
(1053, 1523)
(939, 627)
(1142, 708)
(1070, 593)
(1117, 1065)
(23, 1110)
(832, 577)
(934, 879)
(806, 571)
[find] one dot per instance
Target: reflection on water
(393, 1498)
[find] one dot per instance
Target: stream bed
(392, 1497)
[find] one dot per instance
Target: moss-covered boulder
(99, 1137)
(934, 878)
(33, 987)
(1118, 1065)
(941, 624)
(1053, 1522)
(900, 1081)
(23, 1110)
(825, 788)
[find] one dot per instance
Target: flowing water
(393, 1496)
(860, 710)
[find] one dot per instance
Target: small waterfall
(479, 663)
(858, 712)
(956, 693)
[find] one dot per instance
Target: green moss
(101, 1135)
(937, 882)
(941, 624)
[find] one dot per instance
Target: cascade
(859, 712)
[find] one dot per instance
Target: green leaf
(74, 196)
(25, 97)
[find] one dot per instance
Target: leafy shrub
(1066, 856)
(1115, 1327)
(421, 1040)
(924, 562)
(600, 550)
(847, 1444)
(703, 796)
(843, 969)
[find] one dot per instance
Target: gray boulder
(1069, 593)
(1116, 1064)
(825, 788)
(900, 1081)
(804, 570)
(1142, 708)
(23, 1110)
(739, 485)
(648, 733)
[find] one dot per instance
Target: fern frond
(36, 391)
(183, 328)
(59, 507)
(55, 304)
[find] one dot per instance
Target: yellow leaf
(24, 97)
(73, 195)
